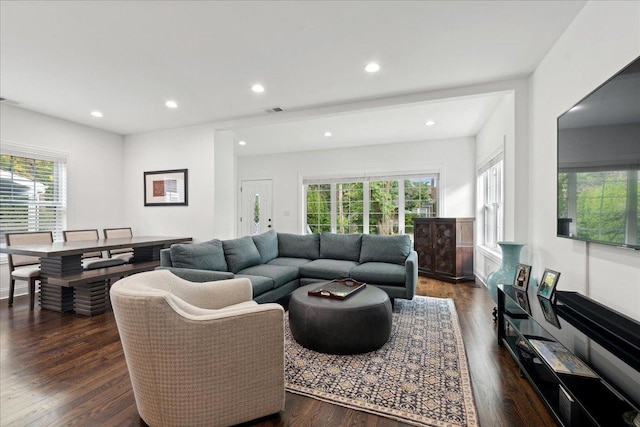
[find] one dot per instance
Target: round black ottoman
(358, 324)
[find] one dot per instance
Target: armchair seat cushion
(379, 273)
(279, 273)
(328, 269)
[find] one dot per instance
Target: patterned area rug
(419, 377)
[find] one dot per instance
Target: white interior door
(256, 214)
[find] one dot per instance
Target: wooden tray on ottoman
(338, 289)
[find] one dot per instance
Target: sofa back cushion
(340, 246)
(241, 253)
(391, 249)
(299, 246)
(267, 244)
(201, 256)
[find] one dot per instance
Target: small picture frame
(521, 280)
(166, 188)
(548, 283)
(522, 299)
(549, 313)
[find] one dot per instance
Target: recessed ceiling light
(96, 114)
(257, 88)
(372, 67)
(327, 134)
(430, 123)
(242, 143)
(171, 104)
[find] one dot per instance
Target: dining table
(66, 286)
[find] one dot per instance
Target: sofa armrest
(165, 258)
(411, 272)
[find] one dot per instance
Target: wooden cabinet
(445, 248)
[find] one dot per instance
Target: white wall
(453, 158)
(189, 148)
(94, 169)
(496, 135)
(603, 38)
(224, 169)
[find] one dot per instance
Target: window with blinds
(384, 205)
(32, 194)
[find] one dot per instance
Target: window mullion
(334, 208)
(401, 207)
(366, 199)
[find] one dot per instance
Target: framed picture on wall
(166, 188)
(521, 280)
(548, 283)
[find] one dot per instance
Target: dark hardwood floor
(62, 369)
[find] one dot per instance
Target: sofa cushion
(267, 244)
(259, 284)
(201, 256)
(328, 269)
(290, 262)
(340, 246)
(379, 273)
(241, 253)
(199, 276)
(299, 246)
(279, 273)
(393, 249)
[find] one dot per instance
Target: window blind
(370, 178)
(32, 194)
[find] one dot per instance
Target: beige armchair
(199, 354)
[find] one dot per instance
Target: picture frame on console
(548, 283)
(521, 280)
(166, 188)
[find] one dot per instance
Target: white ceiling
(126, 59)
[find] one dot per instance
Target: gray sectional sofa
(278, 263)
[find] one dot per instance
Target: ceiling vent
(274, 110)
(9, 101)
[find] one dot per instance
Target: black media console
(582, 358)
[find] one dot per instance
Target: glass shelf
(573, 400)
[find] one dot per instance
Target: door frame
(239, 196)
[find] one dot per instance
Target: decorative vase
(507, 271)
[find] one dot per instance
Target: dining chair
(25, 267)
(91, 260)
(114, 233)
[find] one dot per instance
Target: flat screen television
(599, 164)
